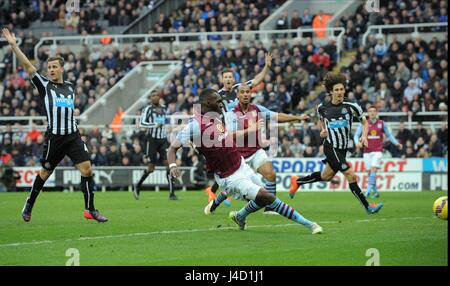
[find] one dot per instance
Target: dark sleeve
(40, 83)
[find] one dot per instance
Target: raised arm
(24, 61)
(283, 117)
(260, 77)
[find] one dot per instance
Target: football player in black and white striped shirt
(153, 118)
(62, 137)
(336, 118)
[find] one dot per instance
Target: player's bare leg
(88, 187)
(351, 178)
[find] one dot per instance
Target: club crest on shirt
(379, 125)
(344, 111)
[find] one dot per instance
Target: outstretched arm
(391, 137)
(260, 77)
(283, 117)
(24, 61)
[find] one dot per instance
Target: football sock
(218, 200)
(36, 189)
(171, 182)
(289, 212)
(312, 178)
(144, 176)
(88, 188)
(359, 195)
(270, 187)
(249, 208)
(214, 187)
(372, 182)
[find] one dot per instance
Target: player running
(153, 118)
(62, 137)
(228, 94)
(208, 133)
(336, 118)
(244, 116)
(373, 152)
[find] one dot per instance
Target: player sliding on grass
(336, 119)
(62, 137)
(246, 115)
(228, 94)
(208, 133)
(373, 152)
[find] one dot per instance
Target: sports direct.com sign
(395, 174)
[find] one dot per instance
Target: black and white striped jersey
(150, 117)
(338, 120)
(229, 97)
(59, 101)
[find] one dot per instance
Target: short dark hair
(206, 94)
(226, 71)
(56, 58)
(331, 79)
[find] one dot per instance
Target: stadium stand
(402, 76)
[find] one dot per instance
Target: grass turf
(157, 231)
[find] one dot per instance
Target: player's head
(55, 68)
(228, 79)
(335, 85)
(211, 101)
(244, 94)
(373, 112)
(155, 96)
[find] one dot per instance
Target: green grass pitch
(156, 231)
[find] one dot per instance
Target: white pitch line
(186, 231)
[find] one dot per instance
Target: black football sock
(311, 178)
(144, 176)
(359, 195)
(214, 187)
(88, 187)
(171, 182)
(36, 189)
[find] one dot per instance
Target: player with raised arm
(207, 131)
(228, 93)
(62, 137)
(373, 152)
(246, 115)
(336, 118)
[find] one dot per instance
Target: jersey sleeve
(357, 110)
(144, 122)
(269, 114)
(40, 83)
(231, 122)
(357, 133)
(389, 134)
(320, 112)
(189, 133)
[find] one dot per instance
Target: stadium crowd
(21, 14)
(410, 76)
